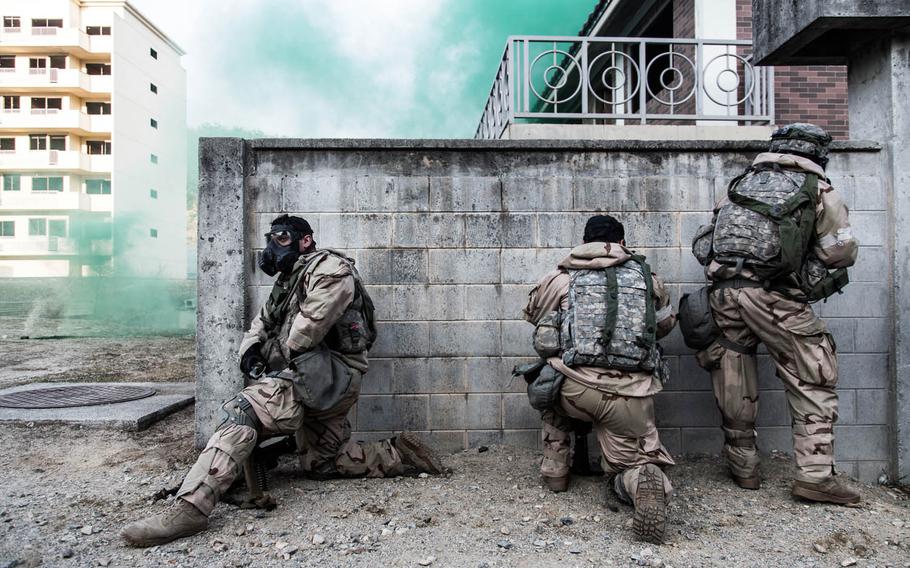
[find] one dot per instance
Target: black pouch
(696, 321)
(543, 392)
(320, 378)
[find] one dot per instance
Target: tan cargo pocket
(814, 352)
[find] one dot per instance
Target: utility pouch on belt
(546, 335)
(696, 321)
(543, 392)
(320, 378)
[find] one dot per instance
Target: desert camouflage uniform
(619, 404)
(323, 436)
(798, 342)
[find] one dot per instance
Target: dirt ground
(67, 491)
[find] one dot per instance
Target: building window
(46, 105)
(7, 144)
(57, 61)
(47, 23)
(98, 147)
(57, 142)
(12, 182)
(153, 193)
(153, 158)
(153, 53)
(98, 30)
(47, 183)
(56, 228)
(98, 186)
(153, 233)
(11, 103)
(12, 23)
(37, 141)
(153, 88)
(37, 227)
(153, 123)
(7, 63)
(37, 65)
(7, 228)
(98, 108)
(98, 68)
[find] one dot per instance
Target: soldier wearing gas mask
(304, 355)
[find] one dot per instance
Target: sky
(349, 68)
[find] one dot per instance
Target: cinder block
(665, 262)
(842, 330)
(537, 193)
(516, 384)
(264, 193)
(870, 194)
(517, 412)
(872, 406)
(522, 438)
(488, 374)
(494, 301)
(775, 438)
(465, 193)
(847, 406)
(527, 266)
(391, 193)
(872, 265)
(355, 230)
(689, 222)
(464, 266)
(373, 265)
(651, 229)
(445, 441)
(516, 339)
(408, 266)
(393, 412)
(873, 335)
(447, 411)
(870, 227)
(699, 441)
(317, 193)
(561, 229)
(379, 379)
(382, 297)
(401, 339)
(848, 468)
(857, 442)
(644, 193)
(446, 374)
(689, 376)
(438, 230)
(428, 375)
(671, 438)
(859, 299)
(483, 411)
(427, 302)
(863, 371)
(869, 471)
(845, 186)
(472, 339)
(773, 410)
(495, 230)
(686, 409)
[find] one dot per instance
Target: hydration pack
(610, 321)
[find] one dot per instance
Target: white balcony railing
(65, 38)
(626, 81)
(44, 201)
(50, 120)
(53, 246)
(55, 160)
(55, 80)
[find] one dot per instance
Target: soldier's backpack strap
(649, 337)
(283, 289)
(612, 304)
(794, 238)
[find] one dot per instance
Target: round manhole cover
(77, 395)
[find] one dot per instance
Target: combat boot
(556, 484)
(831, 490)
(182, 520)
(416, 454)
(650, 520)
(753, 482)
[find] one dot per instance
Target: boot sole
(650, 520)
(557, 484)
(420, 454)
(147, 542)
(753, 483)
(821, 497)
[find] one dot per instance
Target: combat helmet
(802, 139)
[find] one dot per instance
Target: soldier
(598, 316)
(311, 338)
(767, 253)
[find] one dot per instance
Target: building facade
(92, 142)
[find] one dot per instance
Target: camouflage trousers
(804, 354)
(323, 443)
(624, 427)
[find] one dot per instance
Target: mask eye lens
(283, 238)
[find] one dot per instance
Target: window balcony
(69, 40)
(55, 161)
(55, 80)
(623, 81)
(52, 246)
(54, 120)
(44, 201)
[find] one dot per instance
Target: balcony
(52, 246)
(55, 161)
(53, 120)
(74, 81)
(622, 81)
(45, 201)
(37, 40)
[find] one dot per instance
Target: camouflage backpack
(610, 321)
(768, 223)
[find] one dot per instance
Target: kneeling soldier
(598, 317)
(311, 338)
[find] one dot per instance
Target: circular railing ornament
(563, 79)
(617, 71)
(728, 71)
(676, 72)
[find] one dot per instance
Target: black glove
(252, 363)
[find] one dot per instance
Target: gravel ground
(67, 491)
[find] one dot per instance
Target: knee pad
(240, 411)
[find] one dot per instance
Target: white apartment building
(92, 142)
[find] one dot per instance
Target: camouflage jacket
(552, 293)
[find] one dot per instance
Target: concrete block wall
(451, 235)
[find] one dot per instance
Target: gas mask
(278, 257)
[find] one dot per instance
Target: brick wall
(816, 94)
(451, 235)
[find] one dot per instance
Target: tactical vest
(610, 321)
(355, 330)
(768, 223)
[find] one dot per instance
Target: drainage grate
(77, 395)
